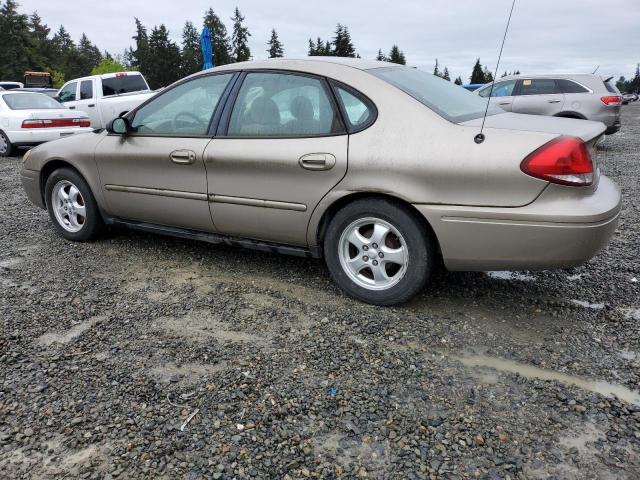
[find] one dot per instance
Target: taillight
(564, 160)
(612, 100)
(57, 122)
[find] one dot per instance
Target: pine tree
(436, 69)
(166, 58)
(397, 56)
(381, 57)
(15, 42)
(87, 57)
(191, 59)
(276, 49)
(43, 55)
(342, 44)
(219, 39)
(488, 76)
(446, 75)
(240, 38)
(634, 85)
(139, 59)
(517, 72)
(458, 81)
(477, 76)
(65, 52)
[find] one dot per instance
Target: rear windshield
(123, 84)
(610, 88)
(30, 101)
(443, 97)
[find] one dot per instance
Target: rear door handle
(504, 103)
(183, 157)
(555, 101)
(72, 108)
(317, 161)
(91, 105)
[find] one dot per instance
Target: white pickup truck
(105, 97)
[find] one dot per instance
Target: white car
(10, 85)
(105, 97)
(28, 119)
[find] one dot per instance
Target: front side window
(502, 89)
(86, 90)
(539, 86)
(358, 113)
(283, 105)
(68, 93)
(183, 110)
(30, 101)
(443, 97)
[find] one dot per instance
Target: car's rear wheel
(72, 207)
(379, 251)
(7, 149)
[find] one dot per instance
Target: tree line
(27, 43)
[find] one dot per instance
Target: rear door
(538, 96)
(87, 101)
(281, 147)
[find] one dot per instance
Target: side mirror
(119, 126)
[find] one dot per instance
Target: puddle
(592, 306)
(74, 332)
(531, 372)
(506, 275)
(583, 440)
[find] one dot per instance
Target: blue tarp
(207, 50)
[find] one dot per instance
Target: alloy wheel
(69, 206)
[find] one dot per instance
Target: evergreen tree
(240, 38)
(43, 55)
(276, 49)
(313, 49)
(85, 58)
(342, 44)
(219, 39)
(139, 58)
(65, 53)
(446, 75)
(15, 42)
(458, 81)
(191, 59)
(165, 57)
(477, 76)
(381, 57)
(436, 69)
(634, 85)
(488, 76)
(397, 56)
(517, 72)
(319, 48)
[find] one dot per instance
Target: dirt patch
(184, 375)
(67, 336)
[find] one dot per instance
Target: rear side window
(86, 90)
(568, 86)
(539, 86)
(123, 83)
(358, 111)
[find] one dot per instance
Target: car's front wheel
(379, 251)
(72, 207)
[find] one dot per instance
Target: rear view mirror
(119, 126)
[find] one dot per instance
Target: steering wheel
(191, 116)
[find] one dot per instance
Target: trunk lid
(54, 113)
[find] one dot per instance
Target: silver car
(377, 168)
(581, 96)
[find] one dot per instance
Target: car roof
(297, 63)
(548, 75)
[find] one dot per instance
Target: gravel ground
(108, 348)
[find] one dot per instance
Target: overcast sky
(545, 35)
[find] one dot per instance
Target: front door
(68, 95)
(538, 96)
(502, 94)
(156, 174)
(87, 102)
(284, 148)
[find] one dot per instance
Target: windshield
(447, 99)
(123, 83)
(30, 101)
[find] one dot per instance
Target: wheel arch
(571, 114)
(51, 166)
(329, 212)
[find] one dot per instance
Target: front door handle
(504, 103)
(91, 105)
(72, 108)
(555, 101)
(317, 161)
(183, 157)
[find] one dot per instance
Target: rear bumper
(31, 183)
(561, 229)
(36, 136)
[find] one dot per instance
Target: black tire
(92, 224)
(7, 149)
(419, 240)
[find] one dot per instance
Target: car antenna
(479, 138)
(597, 68)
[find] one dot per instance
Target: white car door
(68, 95)
(87, 102)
